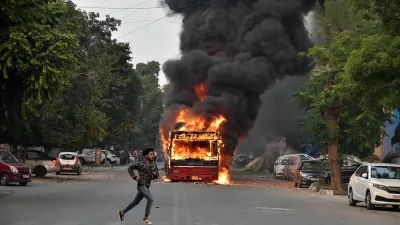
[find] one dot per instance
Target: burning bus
(193, 156)
(193, 150)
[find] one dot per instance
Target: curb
(325, 192)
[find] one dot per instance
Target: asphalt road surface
(97, 203)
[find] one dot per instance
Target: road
(97, 202)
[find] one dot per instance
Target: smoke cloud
(238, 49)
(278, 117)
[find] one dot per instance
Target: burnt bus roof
(195, 135)
(193, 132)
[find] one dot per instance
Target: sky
(150, 34)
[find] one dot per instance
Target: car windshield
(7, 157)
(67, 156)
(385, 172)
(311, 166)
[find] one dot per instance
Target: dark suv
(11, 170)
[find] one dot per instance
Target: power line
(148, 24)
(97, 7)
(156, 20)
(139, 21)
(152, 7)
(132, 6)
(134, 12)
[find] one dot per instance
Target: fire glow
(198, 149)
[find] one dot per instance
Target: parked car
(241, 160)
(292, 163)
(375, 184)
(279, 167)
(13, 171)
(88, 156)
(69, 163)
(124, 156)
(350, 164)
(118, 156)
(38, 161)
(283, 161)
(308, 172)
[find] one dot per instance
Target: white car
(375, 184)
(89, 156)
(69, 163)
(281, 162)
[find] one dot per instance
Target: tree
(122, 101)
(340, 110)
(35, 57)
(99, 104)
(147, 130)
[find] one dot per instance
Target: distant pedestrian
(147, 172)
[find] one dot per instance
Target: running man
(147, 172)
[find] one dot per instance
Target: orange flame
(223, 176)
(201, 91)
(203, 150)
(165, 179)
(196, 122)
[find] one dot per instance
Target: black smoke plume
(238, 48)
(278, 117)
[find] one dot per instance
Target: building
(387, 146)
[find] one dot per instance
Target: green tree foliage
(66, 83)
(356, 79)
(147, 130)
(100, 105)
(35, 55)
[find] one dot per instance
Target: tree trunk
(331, 116)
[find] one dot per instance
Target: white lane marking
(275, 209)
(175, 209)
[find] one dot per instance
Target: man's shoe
(147, 221)
(121, 216)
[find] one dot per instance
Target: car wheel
(83, 162)
(109, 161)
(79, 172)
(4, 180)
(368, 201)
(57, 173)
(351, 199)
(23, 183)
(40, 171)
(396, 207)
